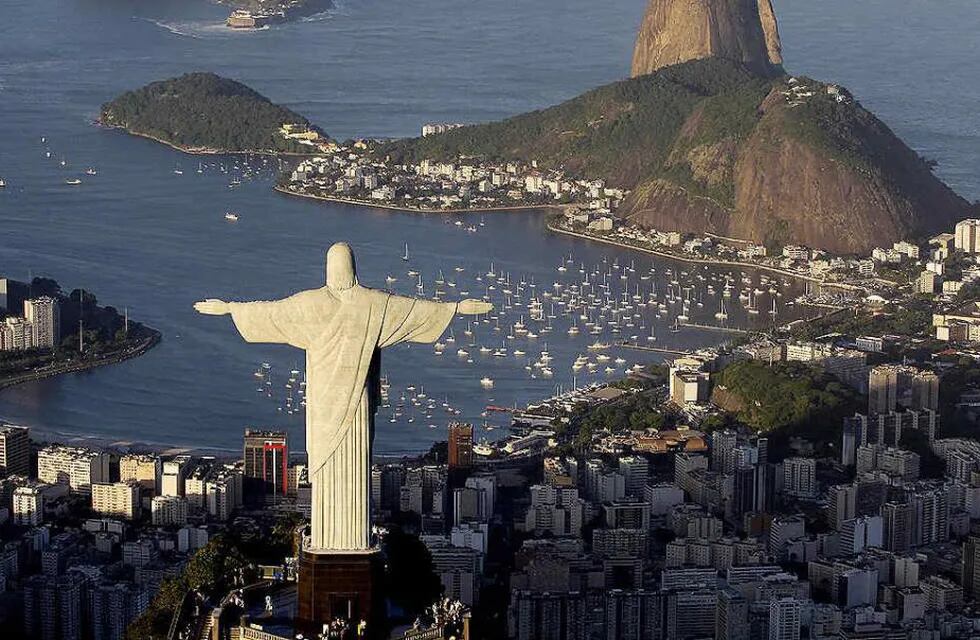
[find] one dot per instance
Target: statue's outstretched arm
(212, 307)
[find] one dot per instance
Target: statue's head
(341, 273)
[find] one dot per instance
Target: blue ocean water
(141, 236)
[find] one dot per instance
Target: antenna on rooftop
(81, 333)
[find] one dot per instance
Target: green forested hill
(203, 111)
(708, 146)
(621, 132)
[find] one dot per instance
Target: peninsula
(62, 333)
(206, 113)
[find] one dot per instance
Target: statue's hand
(212, 307)
(471, 307)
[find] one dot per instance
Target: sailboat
(722, 314)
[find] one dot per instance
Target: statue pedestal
(340, 584)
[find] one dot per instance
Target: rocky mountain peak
(675, 31)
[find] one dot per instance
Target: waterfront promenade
(370, 204)
(708, 261)
(76, 366)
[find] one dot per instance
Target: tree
(410, 582)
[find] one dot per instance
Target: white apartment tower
(967, 235)
(78, 468)
(784, 619)
(117, 499)
(44, 316)
(28, 503)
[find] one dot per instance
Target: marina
(600, 318)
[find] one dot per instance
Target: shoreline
(405, 209)
(555, 229)
(716, 263)
(200, 151)
(77, 367)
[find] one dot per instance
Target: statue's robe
(341, 332)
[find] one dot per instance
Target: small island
(45, 332)
(255, 14)
(206, 113)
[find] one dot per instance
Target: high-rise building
(897, 520)
(53, 607)
(459, 570)
(633, 615)
(386, 484)
(723, 442)
(174, 475)
(858, 534)
(141, 468)
(967, 236)
(891, 386)
(534, 616)
(16, 334)
(486, 484)
(28, 506)
(929, 506)
(460, 445)
(690, 613)
(555, 510)
(112, 607)
(224, 493)
(800, 477)
(970, 575)
(842, 504)
(784, 619)
(732, 615)
(116, 499)
(689, 387)
(922, 390)
(635, 470)
(44, 316)
(168, 510)
(78, 468)
(882, 389)
(266, 466)
(15, 451)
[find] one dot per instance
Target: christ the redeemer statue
(342, 327)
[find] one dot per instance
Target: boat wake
(200, 30)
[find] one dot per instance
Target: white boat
(73, 181)
(486, 382)
(91, 171)
(231, 217)
(405, 255)
(2, 183)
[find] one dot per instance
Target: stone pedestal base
(340, 584)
